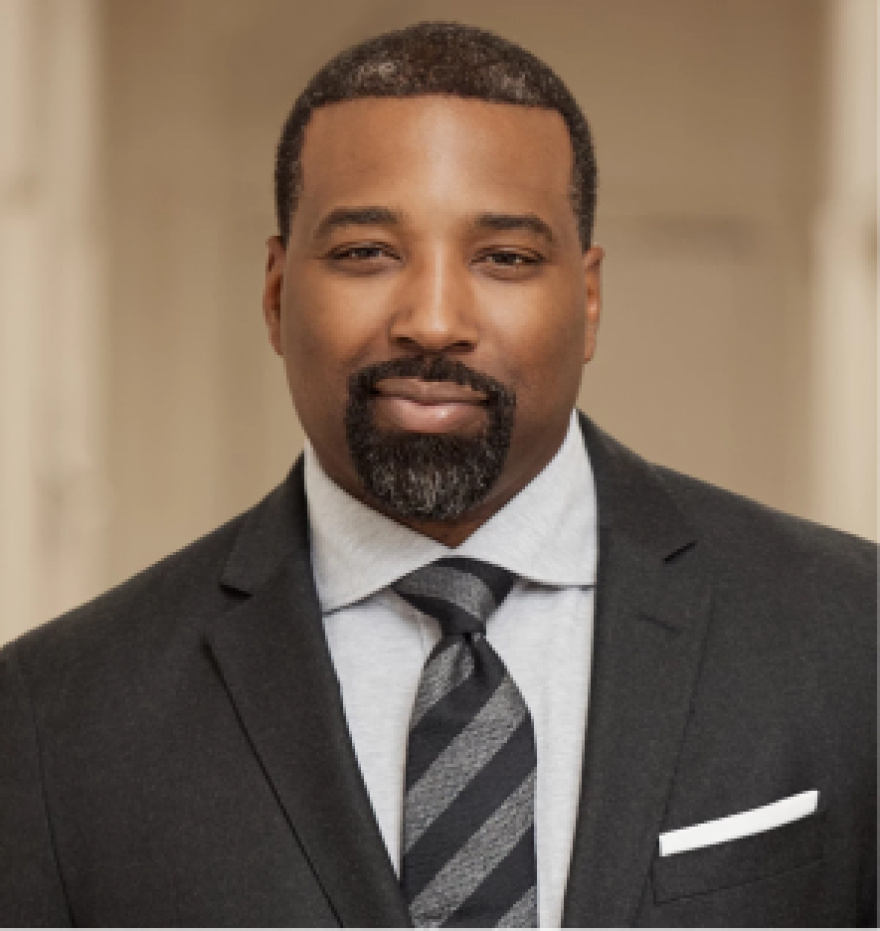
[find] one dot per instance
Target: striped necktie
(468, 856)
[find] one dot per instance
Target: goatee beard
(427, 476)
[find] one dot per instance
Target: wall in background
(55, 493)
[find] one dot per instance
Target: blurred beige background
(140, 404)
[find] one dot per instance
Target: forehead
(436, 152)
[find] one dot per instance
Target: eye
(508, 262)
(362, 253)
(511, 259)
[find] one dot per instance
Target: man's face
(433, 305)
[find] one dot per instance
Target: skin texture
(432, 279)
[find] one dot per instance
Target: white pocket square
(741, 825)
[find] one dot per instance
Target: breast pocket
(736, 862)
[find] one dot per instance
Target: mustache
(362, 384)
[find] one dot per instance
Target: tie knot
(460, 593)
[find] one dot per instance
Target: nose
(435, 307)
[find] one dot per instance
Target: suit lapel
(652, 606)
(272, 654)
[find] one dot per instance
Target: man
(473, 662)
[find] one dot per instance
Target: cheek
(311, 348)
(545, 352)
(328, 327)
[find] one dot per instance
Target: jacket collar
(273, 657)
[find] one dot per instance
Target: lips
(429, 392)
(417, 406)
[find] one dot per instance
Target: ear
(592, 280)
(272, 289)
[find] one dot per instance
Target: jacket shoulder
(742, 537)
(731, 530)
(733, 521)
(141, 616)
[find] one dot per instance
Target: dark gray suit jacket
(176, 753)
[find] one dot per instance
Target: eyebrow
(356, 216)
(341, 217)
(515, 221)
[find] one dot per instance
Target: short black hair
(438, 58)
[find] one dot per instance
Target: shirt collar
(546, 533)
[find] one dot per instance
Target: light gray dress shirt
(543, 632)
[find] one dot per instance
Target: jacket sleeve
(31, 892)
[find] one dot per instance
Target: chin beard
(426, 476)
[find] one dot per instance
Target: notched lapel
(652, 607)
(272, 654)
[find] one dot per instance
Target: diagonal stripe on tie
(501, 891)
(480, 855)
(440, 726)
(451, 830)
(450, 585)
(444, 672)
(521, 914)
(466, 755)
